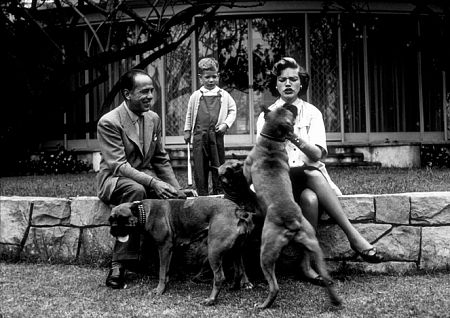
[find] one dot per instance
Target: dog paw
(247, 286)
(260, 306)
(209, 302)
(158, 291)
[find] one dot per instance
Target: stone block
(430, 208)
(392, 208)
(401, 244)
(52, 243)
(50, 211)
(96, 243)
(88, 211)
(335, 244)
(358, 207)
(14, 214)
(435, 248)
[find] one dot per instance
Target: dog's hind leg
(221, 239)
(215, 256)
(240, 276)
(272, 242)
(308, 239)
(204, 274)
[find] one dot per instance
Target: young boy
(211, 111)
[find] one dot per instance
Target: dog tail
(245, 221)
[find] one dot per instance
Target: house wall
(365, 90)
(402, 156)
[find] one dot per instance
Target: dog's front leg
(165, 256)
(308, 239)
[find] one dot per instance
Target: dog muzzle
(123, 225)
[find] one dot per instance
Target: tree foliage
(43, 52)
(42, 49)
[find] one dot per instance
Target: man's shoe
(115, 278)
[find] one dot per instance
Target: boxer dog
(266, 167)
(175, 222)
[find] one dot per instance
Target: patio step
(178, 157)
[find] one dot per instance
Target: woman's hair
(280, 66)
(127, 80)
(208, 64)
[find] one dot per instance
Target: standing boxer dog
(266, 167)
(174, 222)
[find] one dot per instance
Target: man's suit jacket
(123, 156)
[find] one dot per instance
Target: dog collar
(142, 216)
(272, 137)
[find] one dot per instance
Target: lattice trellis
(324, 89)
(178, 88)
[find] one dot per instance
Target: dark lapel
(128, 126)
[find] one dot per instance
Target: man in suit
(134, 164)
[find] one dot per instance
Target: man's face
(288, 84)
(209, 79)
(140, 98)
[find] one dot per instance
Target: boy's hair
(208, 64)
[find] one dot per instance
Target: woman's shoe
(370, 255)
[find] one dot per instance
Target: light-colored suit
(123, 156)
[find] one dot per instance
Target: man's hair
(280, 66)
(127, 80)
(208, 64)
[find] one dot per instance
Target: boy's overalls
(208, 147)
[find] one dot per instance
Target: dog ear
(238, 165)
(265, 110)
(292, 108)
(224, 177)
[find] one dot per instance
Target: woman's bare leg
(329, 201)
(309, 204)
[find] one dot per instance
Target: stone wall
(411, 229)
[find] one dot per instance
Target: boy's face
(209, 79)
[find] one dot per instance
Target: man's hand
(187, 136)
(222, 129)
(164, 190)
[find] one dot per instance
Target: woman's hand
(313, 152)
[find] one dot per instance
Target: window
(227, 41)
(393, 73)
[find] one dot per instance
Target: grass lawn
(36, 290)
(350, 181)
(44, 290)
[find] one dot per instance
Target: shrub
(53, 162)
(434, 156)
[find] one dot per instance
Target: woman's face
(288, 84)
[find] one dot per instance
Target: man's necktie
(141, 131)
